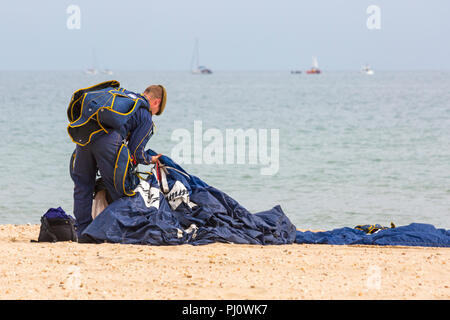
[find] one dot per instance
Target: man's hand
(156, 158)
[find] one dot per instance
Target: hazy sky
(233, 34)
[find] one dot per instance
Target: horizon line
(220, 70)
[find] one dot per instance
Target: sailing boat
(198, 69)
(108, 72)
(92, 70)
(367, 69)
(315, 68)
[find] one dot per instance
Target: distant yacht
(367, 69)
(315, 68)
(108, 72)
(195, 67)
(92, 70)
(95, 69)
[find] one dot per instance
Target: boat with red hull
(315, 68)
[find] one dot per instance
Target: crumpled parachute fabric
(173, 207)
(414, 234)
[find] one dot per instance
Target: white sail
(315, 63)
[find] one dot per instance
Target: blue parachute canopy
(415, 234)
(173, 207)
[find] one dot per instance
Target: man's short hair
(154, 91)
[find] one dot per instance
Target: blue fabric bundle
(414, 234)
(173, 207)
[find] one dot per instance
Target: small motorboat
(367, 70)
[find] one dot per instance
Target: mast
(198, 53)
(195, 56)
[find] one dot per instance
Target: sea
(349, 148)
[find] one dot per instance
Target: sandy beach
(68, 270)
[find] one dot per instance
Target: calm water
(354, 149)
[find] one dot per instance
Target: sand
(68, 270)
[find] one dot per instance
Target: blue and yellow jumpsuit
(100, 153)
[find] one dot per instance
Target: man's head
(156, 96)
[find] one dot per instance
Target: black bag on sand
(57, 226)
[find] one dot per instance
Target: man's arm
(141, 128)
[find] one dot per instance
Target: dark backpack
(56, 225)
